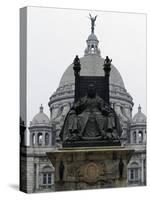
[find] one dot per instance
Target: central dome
(91, 65)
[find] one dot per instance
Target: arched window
(134, 172)
(33, 139)
(140, 135)
(46, 176)
(40, 138)
(92, 48)
(134, 137)
(46, 139)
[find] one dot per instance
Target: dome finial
(41, 108)
(139, 108)
(92, 41)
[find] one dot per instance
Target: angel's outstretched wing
(90, 15)
(95, 18)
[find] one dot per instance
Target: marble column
(37, 176)
(137, 137)
(53, 178)
(144, 136)
(36, 139)
(43, 138)
(132, 137)
(142, 171)
(31, 138)
(50, 139)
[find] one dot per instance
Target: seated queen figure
(92, 119)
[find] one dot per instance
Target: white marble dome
(92, 65)
(139, 117)
(40, 119)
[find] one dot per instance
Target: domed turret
(41, 134)
(139, 117)
(138, 128)
(40, 119)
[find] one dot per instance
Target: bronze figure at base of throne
(91, 122)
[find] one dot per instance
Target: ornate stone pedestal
(90, 168)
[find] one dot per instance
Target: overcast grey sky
(55, 36)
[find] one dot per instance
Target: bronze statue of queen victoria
(91, 122)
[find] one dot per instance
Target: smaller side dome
(40, 119)
(139, 117)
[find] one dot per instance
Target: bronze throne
(91, 121)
